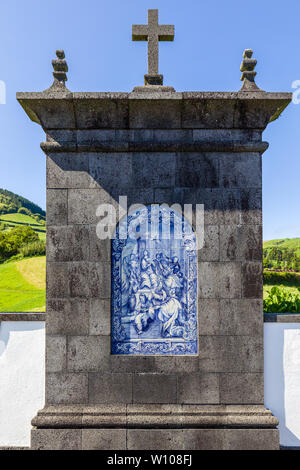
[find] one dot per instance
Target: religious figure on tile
(154, 291)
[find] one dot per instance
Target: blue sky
(210, 37)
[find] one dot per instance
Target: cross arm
(166, 32)
(140, 32)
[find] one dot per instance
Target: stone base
(155, 427)
(153, 89)
(154, 439)
(153, 79)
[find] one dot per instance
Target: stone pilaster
(154, 147)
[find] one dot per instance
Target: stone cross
(153, 32)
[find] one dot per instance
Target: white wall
(282, 378)
(22, 351)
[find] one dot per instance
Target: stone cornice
(282, 317)
(137, 110)
(22, 316)
(107, 147)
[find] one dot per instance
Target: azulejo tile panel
(154, 284)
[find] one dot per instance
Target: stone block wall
(229, 367)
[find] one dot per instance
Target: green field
(22, 285)
(22, 275)
(17, 220)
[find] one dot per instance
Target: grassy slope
(17, 219)
(22, 285)
(292, 243)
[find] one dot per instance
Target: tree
(11, 241)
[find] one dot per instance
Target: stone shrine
(152, 343)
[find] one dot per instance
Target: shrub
(282, 301)
(271, 277)
(23, 210)
(36, 248)
(3, 226)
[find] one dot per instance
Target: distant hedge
(273, 277)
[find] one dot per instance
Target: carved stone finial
(248, 75)
(60, 68)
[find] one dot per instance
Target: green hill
(17, 211)
(283, 243)
(17, 219)
(22, 228)
(11, 202)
